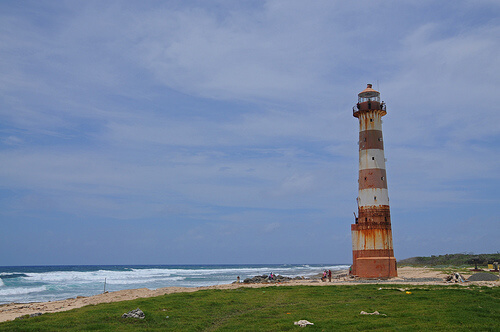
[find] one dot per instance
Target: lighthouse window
(375, 197)
(380, 139)
(385, 218)
(364, 140)
(366, 219)
(373, 158)
(371, 120)
(365, 178)
(382, 178)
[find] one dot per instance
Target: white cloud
(190, 113)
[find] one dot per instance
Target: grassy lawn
(276, 308)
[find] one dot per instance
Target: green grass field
(330, 308)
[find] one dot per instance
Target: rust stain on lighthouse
(372, 249)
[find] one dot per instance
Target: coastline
(407, 276)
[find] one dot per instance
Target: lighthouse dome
(368, 94)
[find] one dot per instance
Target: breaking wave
(33, 284)
(22, 290)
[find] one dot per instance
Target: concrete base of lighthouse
(375, 267)
(372, 254)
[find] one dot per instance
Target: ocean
(24, 284)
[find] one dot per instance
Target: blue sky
(198, 132)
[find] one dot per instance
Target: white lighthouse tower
(372, 249)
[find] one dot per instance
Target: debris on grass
(303, 323)
(137, 313)
(454, 277)
(371, 313)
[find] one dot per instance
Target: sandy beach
(406, 275)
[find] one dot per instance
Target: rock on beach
(265, 278)
(483, 276)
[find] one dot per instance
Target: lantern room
(368, 94)
(368, 100)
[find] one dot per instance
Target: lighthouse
(372, 250)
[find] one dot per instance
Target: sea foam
(39, 283)
(22, 290)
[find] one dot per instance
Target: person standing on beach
(329, 275)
